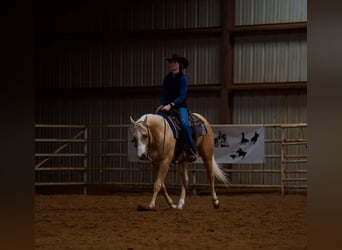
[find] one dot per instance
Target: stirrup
(187, 155)
(191, 155)
(182, 157)
(191, 158)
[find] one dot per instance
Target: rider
(174, 92)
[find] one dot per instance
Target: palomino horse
(154, 141)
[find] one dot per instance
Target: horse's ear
(132, 121)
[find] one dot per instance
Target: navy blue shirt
(175, 87)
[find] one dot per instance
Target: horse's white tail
(219, 173)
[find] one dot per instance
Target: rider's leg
(187, 130)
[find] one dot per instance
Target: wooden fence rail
(87, 141)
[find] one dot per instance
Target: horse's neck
(153, 122)
(157, 128)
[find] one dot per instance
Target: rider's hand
(167, 107)
(159, 108)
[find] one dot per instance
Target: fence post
(282, 160)
(194, 191)
(85, 161)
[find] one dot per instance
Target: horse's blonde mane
(141, 119)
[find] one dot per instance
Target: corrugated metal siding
(136, 15)
(269, 108)
(270, 58)
(249, 12)
(117, 64)
(116, 110)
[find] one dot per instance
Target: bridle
(149, 142)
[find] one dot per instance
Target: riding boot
(191, 155)
(182, 157)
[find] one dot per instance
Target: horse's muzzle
(143, 157)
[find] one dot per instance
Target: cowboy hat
(179, 59)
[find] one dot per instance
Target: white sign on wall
(233, 144)
(239, 144)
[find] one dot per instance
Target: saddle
(197, 125)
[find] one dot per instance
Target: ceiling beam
(269, 28)
(268, 86)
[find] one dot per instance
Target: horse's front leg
(161, 173)
(168, 198)
(183, 172)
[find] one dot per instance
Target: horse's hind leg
(211, 177)
(183, 172)
(208, 162)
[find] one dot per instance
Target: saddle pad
(197, 125)
(200, 129)
(171, 123)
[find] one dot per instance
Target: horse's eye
(134, 141)
(145, 136)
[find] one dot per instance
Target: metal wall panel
(135, 15)
(249, 12)
(270, 107)
(270, 58)
(125, 64)
(164, 14)
(116, 110)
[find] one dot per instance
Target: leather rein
(149, 142)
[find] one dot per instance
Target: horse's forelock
(146, 120)
(138, 123)
(141, 123)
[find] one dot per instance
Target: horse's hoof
(180, 206)
(216, 204)
(173, 206)
(143, 208)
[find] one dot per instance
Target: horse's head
(141, 137)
